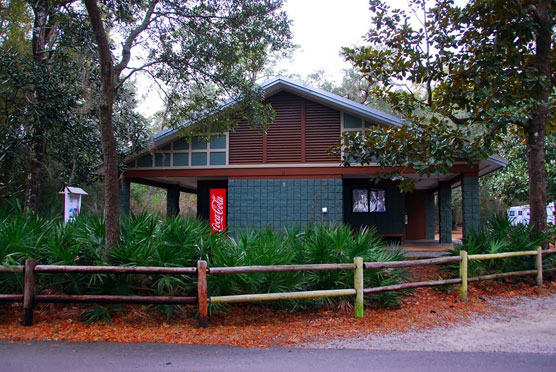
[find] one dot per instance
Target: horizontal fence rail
(11, 269)
(282, 296)
(98, 299)
(202, 271)
(490, 256)
(150, 270)
(412, 263)
(278, 268)
(397, 287)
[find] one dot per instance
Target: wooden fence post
(202, 298)
(539, 266)
(358, 283)
(28, 291)
(463, 275)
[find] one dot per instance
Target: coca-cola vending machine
(217, 209)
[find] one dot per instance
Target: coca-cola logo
(217, 207)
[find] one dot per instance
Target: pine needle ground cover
(264, 326)
(150, 240)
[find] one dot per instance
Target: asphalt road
(66, 357)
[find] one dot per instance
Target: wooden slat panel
(246, 145)
(284, 135)
(284, 139)
(322, 131)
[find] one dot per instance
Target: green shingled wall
(280, 203)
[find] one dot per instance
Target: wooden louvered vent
(246, 145)
(284, 135)
(302, 132)
(322, 130)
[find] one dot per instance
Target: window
(360, 200)
(367, 200)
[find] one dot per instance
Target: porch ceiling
(189, 183)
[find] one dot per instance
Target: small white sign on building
(72, 202)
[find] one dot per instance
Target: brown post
(202, 293)
(28, 291)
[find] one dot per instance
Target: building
(288, 177)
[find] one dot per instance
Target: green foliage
(318, 244)
(48, 113)
(511, 184)
(497, 236)
(99, 314)
(150, 240)
(460, 77)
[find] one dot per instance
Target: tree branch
(134, 70)
(126, 48)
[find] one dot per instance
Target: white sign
(72, 202)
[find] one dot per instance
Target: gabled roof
(281, 83)
(340, 103)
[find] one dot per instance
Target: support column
(172, 200)
(445, 212)
(470, 204)
(430, 225)
(125, 192)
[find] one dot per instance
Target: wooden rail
(11, 269)
(282, 296)
(29, 299)
(412, 263)
(150, 270)
(91, 299)
(397, 287)
(278, 268)
(477, 257)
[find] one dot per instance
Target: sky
(320, 29)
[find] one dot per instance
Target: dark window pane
(162, 160)
(378, 201)
(217, 158)
(360, 200)
(181, 159)
(198, 144)
(145, 161)
(351, 122)
(217, 142)
(181, 144)
(198, 158)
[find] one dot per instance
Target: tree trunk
(536, 127)
(33, 182)
(41, 32)
(536, 169)
(111, 196)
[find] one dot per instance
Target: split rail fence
(29, 298)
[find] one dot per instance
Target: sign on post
(217, 209)
(72, 202)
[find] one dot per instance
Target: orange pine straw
(260, 325)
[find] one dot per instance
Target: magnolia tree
(200, 51)
(461, 77)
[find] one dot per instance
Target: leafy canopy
(457, 75)
(199, 54)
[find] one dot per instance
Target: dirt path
(520, 324)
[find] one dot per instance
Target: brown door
(416, 210)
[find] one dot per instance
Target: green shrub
(152, 240)
(497, 236)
